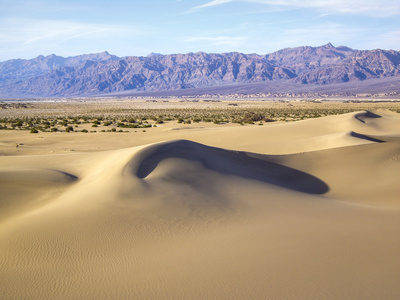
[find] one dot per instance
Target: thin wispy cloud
(87, 33)
(212, 3)
(30, 35)
(32, 31)
(376, 7)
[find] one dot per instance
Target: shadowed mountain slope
(104, 73)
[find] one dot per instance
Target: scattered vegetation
(114, 117)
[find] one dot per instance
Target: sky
(29, 28)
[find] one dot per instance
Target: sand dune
(210, 159)
(27, 188)
(305, 210)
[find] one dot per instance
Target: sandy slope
(307, 210)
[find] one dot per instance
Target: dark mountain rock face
(102, 73)
(21, 69)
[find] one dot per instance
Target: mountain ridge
(103, 73)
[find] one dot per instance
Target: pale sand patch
(307, 210)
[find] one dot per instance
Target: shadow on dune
(36, 176)
(366, 115)
(365, 137)
(242, 164)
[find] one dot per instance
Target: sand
(303, 210)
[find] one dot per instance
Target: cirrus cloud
(371, 7)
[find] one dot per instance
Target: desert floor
(297, 210)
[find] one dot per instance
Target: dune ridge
(236, 163)
(307, 210)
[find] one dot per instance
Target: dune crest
(246, 165)
(375, 121)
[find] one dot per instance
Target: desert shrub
(252, 117)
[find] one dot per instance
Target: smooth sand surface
(304, 210)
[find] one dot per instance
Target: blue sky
(122, 27)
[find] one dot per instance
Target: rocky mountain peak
(329, 46)
(152, 54)
(104, 73)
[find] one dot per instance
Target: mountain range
(103, 73)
